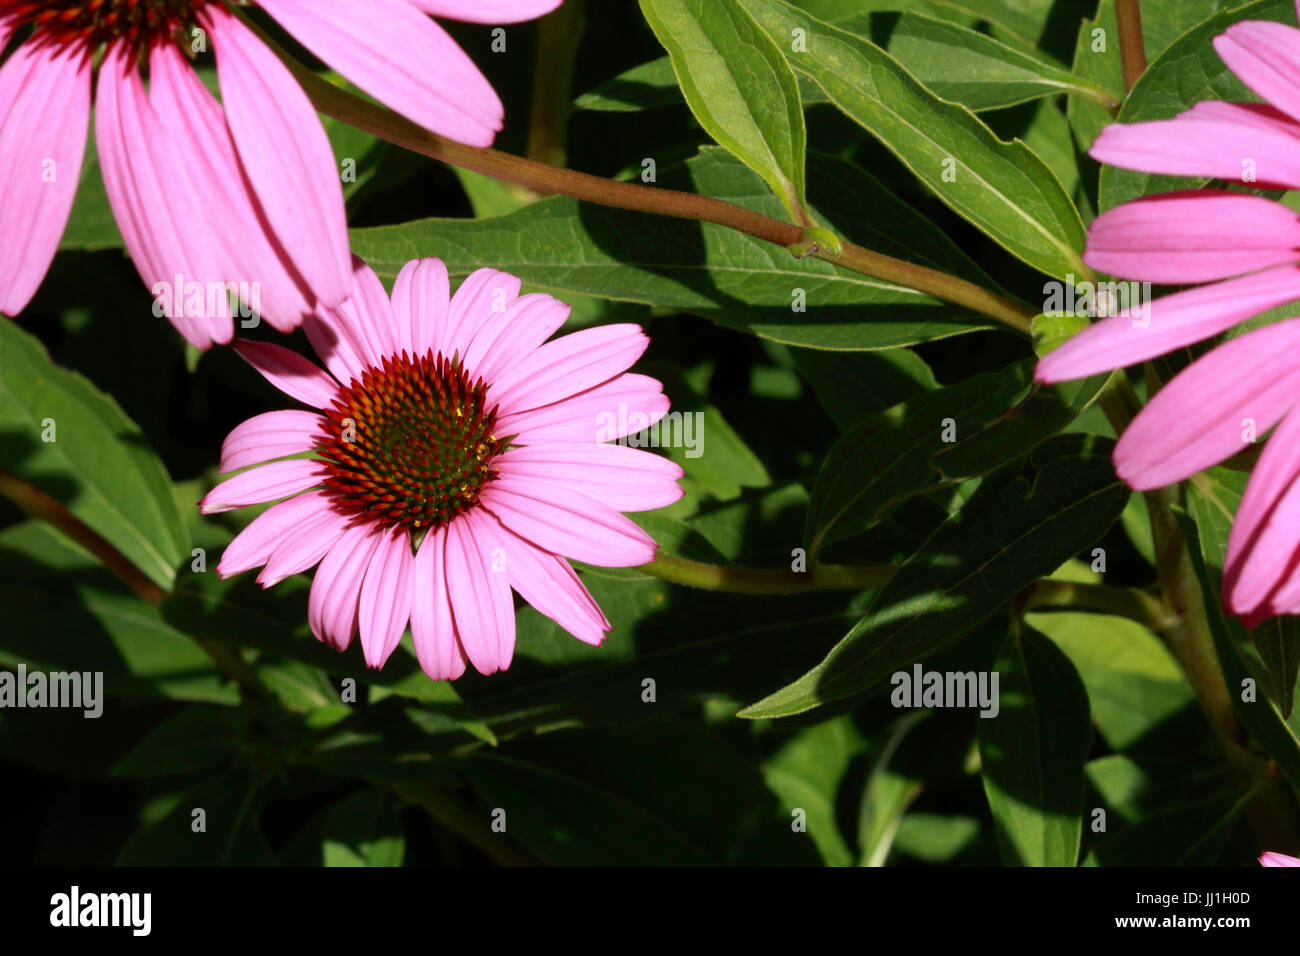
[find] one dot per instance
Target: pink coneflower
(1277, 859)
(455, 456)
(242, 192)
(1242, 255)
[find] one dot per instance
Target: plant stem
(387, 125)
(1132, 603)
(717, 577)
(1131, 53)
(40, 505)
(558, 36)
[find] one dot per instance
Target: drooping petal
(615, 409)
(44, 119)
(1266, 530)
(1202, 147)
(483, 292)
(1198, 419)
(155, 204)
(1277, 859)
(1169, 322)
(625, 479)
(386, 597)
(250, 251)
(286, 156)
(289, 372)
(567, 522)
(253, 546)
(1266, 57)
(304, 546)
(487, 11)
(568, 365)
(479, 588)
(401, 58)
(433, 630)
(336, 587)
(270, 435)
(355, 335)
(1195, 236)
(548, 583)
(421, 298)
(264, 483)
(510, 336)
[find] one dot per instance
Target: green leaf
(561, 246)
(1004, 189)
(886, 797)
(1261, 716)
(739, 87)
(60, 433)
(647, 86)
(362, 830)
(1032, 753)
(192, 740)
(1188, 72)
(806, 774)
(909, 449)
(852, 386)
(1021, 524)
(1213, 499)
(1134, 684)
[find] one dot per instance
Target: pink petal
(1172, 321)
(567, 522)
(357, 334)
(44, 116)
(1197, 420)
(254, 545)
(610, 411)
(279, 479)
(154, 202)
(270, 435)
(1266, 57)
(1259, 115)
(1195, 236)
(421, 298)
(304, 546)
(487, 11)
(568, 365)
(286, 155)
(249, 250)
(1266, 531)
(479, 588)
(1277, 859)
(401, 58)
(289, 372)
(548, 583)
(336, 589)
(386, 597)
(433, 629)
(1202, 147)
(625, 479)
(484, 292)
(509, 337)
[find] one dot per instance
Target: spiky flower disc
(411, 444)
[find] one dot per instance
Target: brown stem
(40, 505)
(385, 124)
(1131, 53)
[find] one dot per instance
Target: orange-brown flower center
(98, 21)
(410, 444)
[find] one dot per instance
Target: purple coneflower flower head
(456, 455)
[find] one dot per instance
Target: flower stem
(558, 36)
(717, 577)
(1131, 53)
(542, 177)
(40, 505)
(1132, 603)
